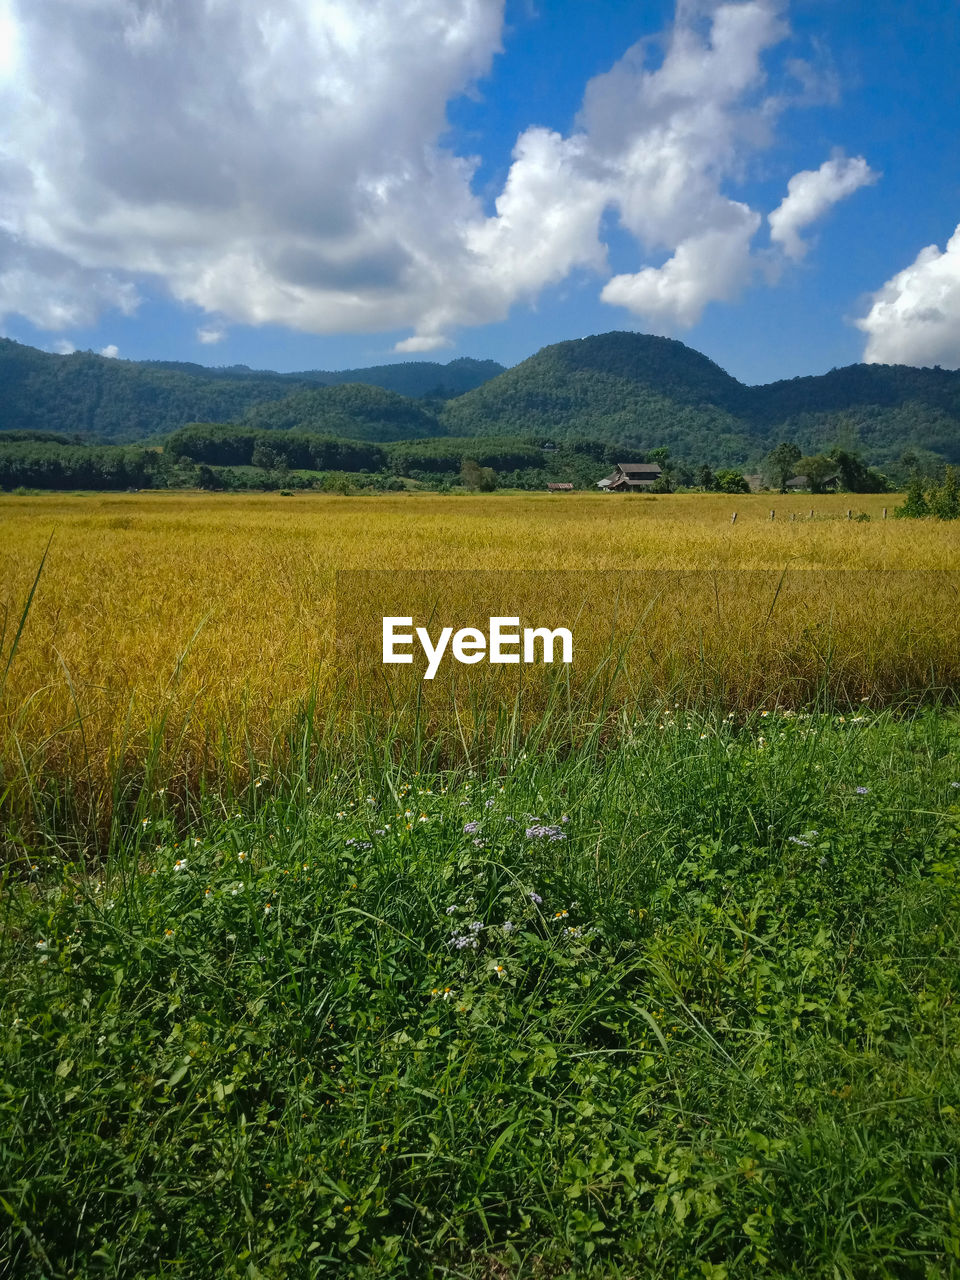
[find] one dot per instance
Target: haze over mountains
(620, 388)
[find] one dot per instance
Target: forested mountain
(656, 392)
(124, 400)
(415, 378)
(353, 410)
(633, 392)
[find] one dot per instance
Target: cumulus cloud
(63, 347)
(915, 317)
(111, 351)
(423, 342)
(291, 163)
(810, 194)
(211, 335)
(710, 266)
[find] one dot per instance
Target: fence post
(849, 514)
(884, 513)
(772, 514)
(733, 518)
(811, 513)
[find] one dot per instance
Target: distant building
(803, 482)
(631, 475)
(559, 488)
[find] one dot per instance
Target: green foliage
(729, 481)
(945, 498)
(819, 470)
(69, 466)
(925, 499)
(696, 1018)
(352, 410)
(632, 392)
(473, 476)
(123, 400)
(236, 445)
(781, 463)
(647, 392)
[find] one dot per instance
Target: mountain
(125, 400)
(628, 391)
(649, 392)
(352, 410)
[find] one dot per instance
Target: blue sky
(307, 186)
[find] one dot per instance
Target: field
(644, 969)
(165, 626)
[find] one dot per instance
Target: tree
(207, 478)
(818, 469)
(705, 478)
(730, 481)
(473, 476)
(916, 504)
(945, 499)
(782, 463)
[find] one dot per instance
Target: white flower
(180, 864)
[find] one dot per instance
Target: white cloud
(211, 335)
(810, 194)
(423, 342)
(111, 351)
(63, 347)
(290, 163)
(713, 265)
(915, 317)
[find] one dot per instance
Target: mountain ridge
(629, 390)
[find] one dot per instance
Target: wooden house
(629, 476)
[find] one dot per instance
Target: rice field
(188, 633)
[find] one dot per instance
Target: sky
(325, 184)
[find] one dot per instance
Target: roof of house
(803, 482)
(639, 468)
(560, 486)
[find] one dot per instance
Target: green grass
(735, 1051)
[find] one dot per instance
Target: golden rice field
(195, 626)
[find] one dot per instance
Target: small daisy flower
(180, 864)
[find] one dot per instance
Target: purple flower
(797, 840)
(534, 898)
(508, 926)
(862, 791)
(488, 804)
(470, 827)
(475, 926)
(461, 940)
(451, 910)
(545, 833)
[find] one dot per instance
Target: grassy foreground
(684, 1007)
